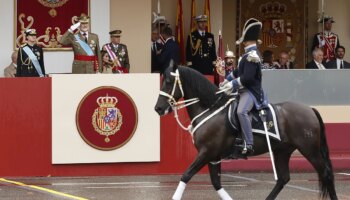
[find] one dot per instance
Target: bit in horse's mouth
(167, 111)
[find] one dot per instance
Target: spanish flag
(207, 13)
(193, 16)
(180, 31)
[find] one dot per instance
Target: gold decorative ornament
(53, 4)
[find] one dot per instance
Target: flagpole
(322, 17)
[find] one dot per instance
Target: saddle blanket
(257, 124)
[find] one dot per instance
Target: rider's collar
(250, 47)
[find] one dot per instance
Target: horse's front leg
(197, 164)
(215, 176)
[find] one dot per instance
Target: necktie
(84, 34)
(341, 65)
(154, 46)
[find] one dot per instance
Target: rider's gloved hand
(227, 87)
(223, 83)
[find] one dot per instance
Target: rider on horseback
(248, 81)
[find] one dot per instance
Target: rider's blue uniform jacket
(249, 76)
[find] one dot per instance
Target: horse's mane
(202, 88)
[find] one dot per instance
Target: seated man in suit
(339, 62)
(10, 71)
(318, 62)
(284, 61)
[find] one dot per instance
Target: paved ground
(303, 186)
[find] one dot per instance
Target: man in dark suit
(156, 49)
(317, 62)
(170, 51)
(339, 62)
(200, 48)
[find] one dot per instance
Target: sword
(263, 115)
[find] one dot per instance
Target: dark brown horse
(300, 127)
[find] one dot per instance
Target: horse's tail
(326, 180)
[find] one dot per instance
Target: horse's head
(171, 90)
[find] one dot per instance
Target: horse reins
(177, 105)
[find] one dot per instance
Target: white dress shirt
(338, 63)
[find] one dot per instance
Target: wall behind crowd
(134, 19)
(55, 61)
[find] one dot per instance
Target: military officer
(200, 48)
(248, 81)
(30, 60)
(326, 40)
(229, 62)
(118, 51)
(86, 48)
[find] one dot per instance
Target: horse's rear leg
(215, 176)
(197, 165)
(282, 157)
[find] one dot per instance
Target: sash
(34, 60)
(84, 45)
(112, 55)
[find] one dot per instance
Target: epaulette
(253, 57)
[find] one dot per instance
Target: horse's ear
(172, 65)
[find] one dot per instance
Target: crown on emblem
(272, 9)
(107, 101)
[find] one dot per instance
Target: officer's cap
(84, 19)
(115, 33)
(326, 18)
(229, 54)
(201, 18)
(251, 31)
(30, 32)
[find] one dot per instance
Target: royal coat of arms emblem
(107, 118)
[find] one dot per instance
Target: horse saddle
(257, 122)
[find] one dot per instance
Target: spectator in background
(200, 48)
(30, 61)
(230, 65)
(268, 58)
(317, 62)
(10, 71)
(326, 40)
(339, 62)
(107, 63)
(170, 51)
(117, 51)
(283, 61)
(156, 49)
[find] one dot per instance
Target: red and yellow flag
(193, 16)
(179, 34)
(207, 13)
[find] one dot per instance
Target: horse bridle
(176, 105)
